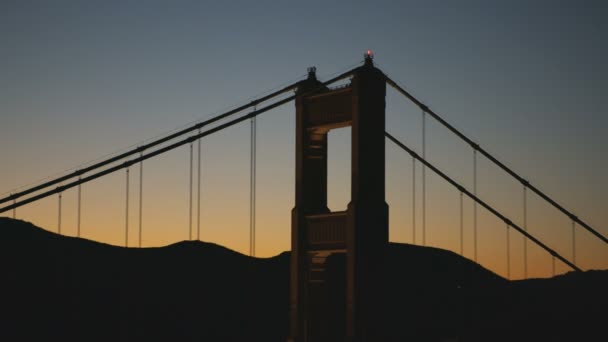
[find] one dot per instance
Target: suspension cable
(481, 202)
(413, 200)
(475, 205)
(461, 224)
(59, 215)
(508, 254)
(423, 179)
(175, 144)
(252, 183)
(127, 210)
(161, 140)
(573, 242)
(141, 199)
(198, 191)
(79, 208)
(525, 205)
(493, 159)
(14, 209)
(190, 197)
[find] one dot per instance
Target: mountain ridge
(73, 289)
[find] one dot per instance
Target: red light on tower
(369, 56)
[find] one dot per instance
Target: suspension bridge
(357, 101)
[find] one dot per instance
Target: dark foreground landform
(68, 289)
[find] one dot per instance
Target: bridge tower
(334, 254)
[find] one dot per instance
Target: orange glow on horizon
(225, 206)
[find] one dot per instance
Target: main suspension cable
(481, 202)
(173, 145)
(486, 154)
(144, 147)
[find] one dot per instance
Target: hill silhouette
(70, 289)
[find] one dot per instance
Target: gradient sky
(526, 79)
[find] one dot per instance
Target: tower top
(369, 58)
(312, 73)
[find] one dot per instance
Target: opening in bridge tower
(335, 254)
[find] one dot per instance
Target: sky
(525, 79)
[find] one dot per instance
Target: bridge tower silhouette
(329, 302)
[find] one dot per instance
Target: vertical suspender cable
(190, 197)
(483, 203)
(252, 188)
(413, 200)
(127, 210)
(553, 265)
(461, 225)
(198, 191)
(573, 242)
(255, 156)
(14, 209)
(79, 208)
(424, 179)
(508, 254)
(475, 205)
(59, 216)
(525, 195)
(141, 199)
